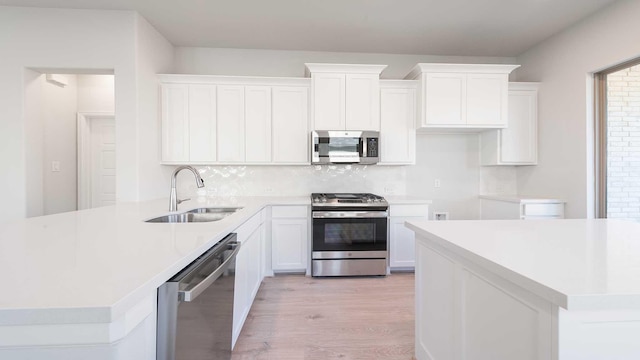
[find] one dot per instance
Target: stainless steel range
(349, 234)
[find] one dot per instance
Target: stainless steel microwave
(345, 147)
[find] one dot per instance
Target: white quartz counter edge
(77, 313)
(545, 292)
(520, 199)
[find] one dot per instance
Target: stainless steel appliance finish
(359, 267)
(348, 201)
(349, 234)
(195, 307)
(345, 147)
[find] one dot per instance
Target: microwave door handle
(363, 147)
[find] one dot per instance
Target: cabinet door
(202, 123)
(519, 142)
(175, 122)
(362, 102)
(240, 295)
(230, 123)
(445, 95)
(401, 243)
(289, 242)
(397, 126)
(487, 99)
(328, 101)
(258, 124)
(291, 134)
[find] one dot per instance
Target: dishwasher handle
(192, 294)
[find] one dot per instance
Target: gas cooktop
(347, 200)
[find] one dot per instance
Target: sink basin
(206, 214)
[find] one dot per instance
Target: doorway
(70, 131)
(618, 137)
(96, 160)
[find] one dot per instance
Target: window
(618, 142)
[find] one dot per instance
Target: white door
(103, 162)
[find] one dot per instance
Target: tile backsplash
(296, 180)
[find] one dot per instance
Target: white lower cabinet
(402, 240)
(248, 270)
(289, 238)
(464, 311)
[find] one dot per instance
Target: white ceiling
(430, 27)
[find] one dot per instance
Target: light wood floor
(298, 317)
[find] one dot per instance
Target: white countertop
(90, 266)
(520, 199)
(576, 264)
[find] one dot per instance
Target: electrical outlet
(389, 190)
(268, 190)
(436, 183)
(440, 215)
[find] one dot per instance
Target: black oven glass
(339, 146)
(355, 234)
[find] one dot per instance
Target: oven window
(339, 146)
(349, 233)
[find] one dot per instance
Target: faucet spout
(173, 197)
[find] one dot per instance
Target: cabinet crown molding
(343, 68)
(460, 68)
(231, 80)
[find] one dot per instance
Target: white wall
(34, 137)
(82, 41)
(60, 108)
(154, 55)
(564, 65)
(62, 39)
(251, 62)
(455, 161)
(96, 93)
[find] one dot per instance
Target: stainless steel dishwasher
(195, 307)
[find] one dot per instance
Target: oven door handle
(348, 214)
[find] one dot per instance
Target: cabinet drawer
(289, 211)
(409, 210)
(555, 210)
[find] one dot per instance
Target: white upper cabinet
(230, 117)
(291, 125)
(175, 122)
(363, 102)
(345, 97)
(257, 124)
(329, 101)
(202, 123)
(517, 144)
(234, 120)
(462, 96)
(397, 122)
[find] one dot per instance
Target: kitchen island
(513, 289)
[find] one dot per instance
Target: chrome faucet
(173, 199)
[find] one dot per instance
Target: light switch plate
(55, 166)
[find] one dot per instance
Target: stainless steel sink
(206, 214)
